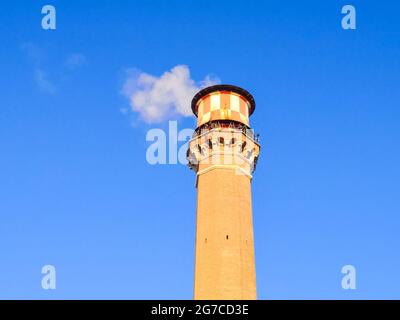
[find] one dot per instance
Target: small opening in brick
(243, 145)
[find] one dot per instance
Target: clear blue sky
(76, 191)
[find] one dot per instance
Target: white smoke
(159, 98)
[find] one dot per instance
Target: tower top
(223, 87)
(223, 102)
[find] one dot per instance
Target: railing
(226, 124)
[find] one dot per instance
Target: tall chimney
(223, 152)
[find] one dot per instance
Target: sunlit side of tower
(223, 152)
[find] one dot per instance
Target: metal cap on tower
(223, 102)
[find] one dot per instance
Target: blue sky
(76, 191)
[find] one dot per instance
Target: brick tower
(223, 152)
